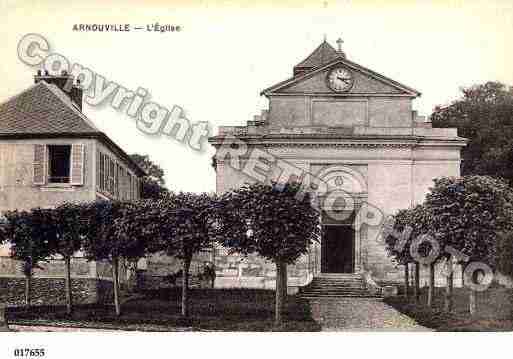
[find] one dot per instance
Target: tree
(407, 225)
(272, 221)
(69, 227)
(484, 115)
(153, 184)
(28, 232)
(189, 228)
(469, 214)
(139, 228)
(105, 241)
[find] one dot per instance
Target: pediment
(366, 82)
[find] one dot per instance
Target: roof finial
(325, 37)
(339, 43)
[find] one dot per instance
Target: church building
(354, 131)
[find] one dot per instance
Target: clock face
(339, 79)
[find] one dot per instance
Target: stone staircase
(337, 285)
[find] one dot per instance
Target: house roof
(324, 53)
(45, 111)
(326, 56)
(42, 108)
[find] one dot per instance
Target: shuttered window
(115, 180)
(59, 163)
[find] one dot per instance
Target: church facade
(351, 137)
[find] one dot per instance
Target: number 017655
(29, 353)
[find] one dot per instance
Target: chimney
(65, 82)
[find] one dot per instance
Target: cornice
(335, 141)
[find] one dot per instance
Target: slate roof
(323, 54)
(43, 109)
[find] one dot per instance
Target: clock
(339, 79)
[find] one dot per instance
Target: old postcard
(234, 166)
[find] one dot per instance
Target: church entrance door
(337, 249)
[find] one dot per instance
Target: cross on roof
(339, 43)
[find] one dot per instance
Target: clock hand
(346, 80)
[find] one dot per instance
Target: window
(59, 163)
(115, 179)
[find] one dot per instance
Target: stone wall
(50, 291)
(91, 281)
(304, 111)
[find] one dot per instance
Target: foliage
(134, 228)
(280, 225)
(101, 242)
(187, 223)
(468, 213)
(398, 247)
(484, 115)
(153, 184)
(68, 226)
(28, 233)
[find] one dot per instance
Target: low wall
(50, 291)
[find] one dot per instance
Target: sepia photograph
(284, 178)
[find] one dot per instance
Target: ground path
(367, 314)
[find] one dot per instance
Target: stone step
(339, 276)
(326, 290)
(337, 281)
(328, 296)
(336, 285)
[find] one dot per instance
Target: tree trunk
(473, 302)
(449, 287)
(431, 291)
(462, 275)
(115, 278)
(69, 299)
(281, 287)
(28, 288)
(416, 284)
(406, 280)
(185, 287)
(284, 284)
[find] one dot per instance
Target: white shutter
(39, 164)
(77, 164)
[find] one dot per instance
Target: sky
(228, 51)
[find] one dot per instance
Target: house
(51, 153)
(355, 133)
